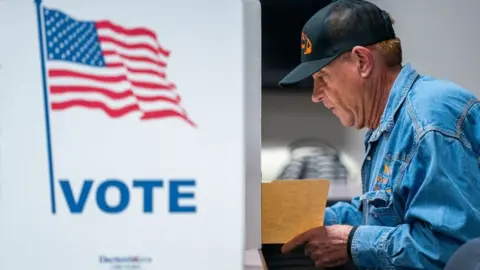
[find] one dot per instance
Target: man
(421, 174)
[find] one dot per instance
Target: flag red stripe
(135, 58)
(131, 46)
(95, 105)
(154, 86)
(109, 79)
(75, 74)
(140, 31)
(115, 113)
(166, 99)
(137, 31)
(138, 70)
(86, 89)
(111, 94)
(167, 113)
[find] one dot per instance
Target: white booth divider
(129, 134)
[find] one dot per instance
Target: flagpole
(46, 103)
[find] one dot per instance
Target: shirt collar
(402, 85)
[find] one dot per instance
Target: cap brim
(304, 70)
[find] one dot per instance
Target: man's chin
(348, 123)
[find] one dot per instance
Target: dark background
(282, 22)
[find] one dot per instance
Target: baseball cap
(336, 29)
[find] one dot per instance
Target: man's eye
(320, 79)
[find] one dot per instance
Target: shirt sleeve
(344, 213)
(440, 189)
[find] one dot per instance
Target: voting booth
(129, 134)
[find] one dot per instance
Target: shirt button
(369, 158)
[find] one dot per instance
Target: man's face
(339, 86)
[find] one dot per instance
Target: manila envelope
(290, 207)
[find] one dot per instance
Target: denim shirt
(421, 178)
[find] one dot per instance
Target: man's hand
(326, 245)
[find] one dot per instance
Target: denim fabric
(421, 178)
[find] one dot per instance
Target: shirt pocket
(378, 209)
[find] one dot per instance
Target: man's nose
(317, 95)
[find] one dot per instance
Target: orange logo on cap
(306, 44)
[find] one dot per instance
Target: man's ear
(364, 59)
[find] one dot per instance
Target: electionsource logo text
(125, 259)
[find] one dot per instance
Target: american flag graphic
(104, 66)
